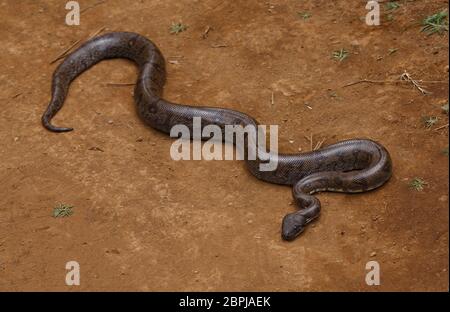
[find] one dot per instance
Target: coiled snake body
(350, 166)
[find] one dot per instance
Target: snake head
(293, 225)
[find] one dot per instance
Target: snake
(349, 166)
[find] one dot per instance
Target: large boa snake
(350, 166)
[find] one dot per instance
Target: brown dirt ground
(145, 222)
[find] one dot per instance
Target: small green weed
(429, 121)
(177, 28)
(340, 55)
(62, 210)
(417, 184)
(436, 23)
(392, 5)
(304, 15)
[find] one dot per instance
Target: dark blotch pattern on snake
(350, 166)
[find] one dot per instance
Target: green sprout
(177, 28)
(340, 55)
(417, 184)
(429, 121)
(392, 51)
(392, 5)
(62, 210)
(304, 15)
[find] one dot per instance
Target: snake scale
(350, 166)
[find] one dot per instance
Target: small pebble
(373, 254)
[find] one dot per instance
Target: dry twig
(119, 84)
(319, 144)
(219, 46)
(311, 143)
(66, 51)
(441, 127)
(394, 81)
(407, 77)
(310, 139)
(205, 33)
(92, 6)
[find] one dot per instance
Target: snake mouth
(291, 235)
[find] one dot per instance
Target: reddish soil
(145, 222)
